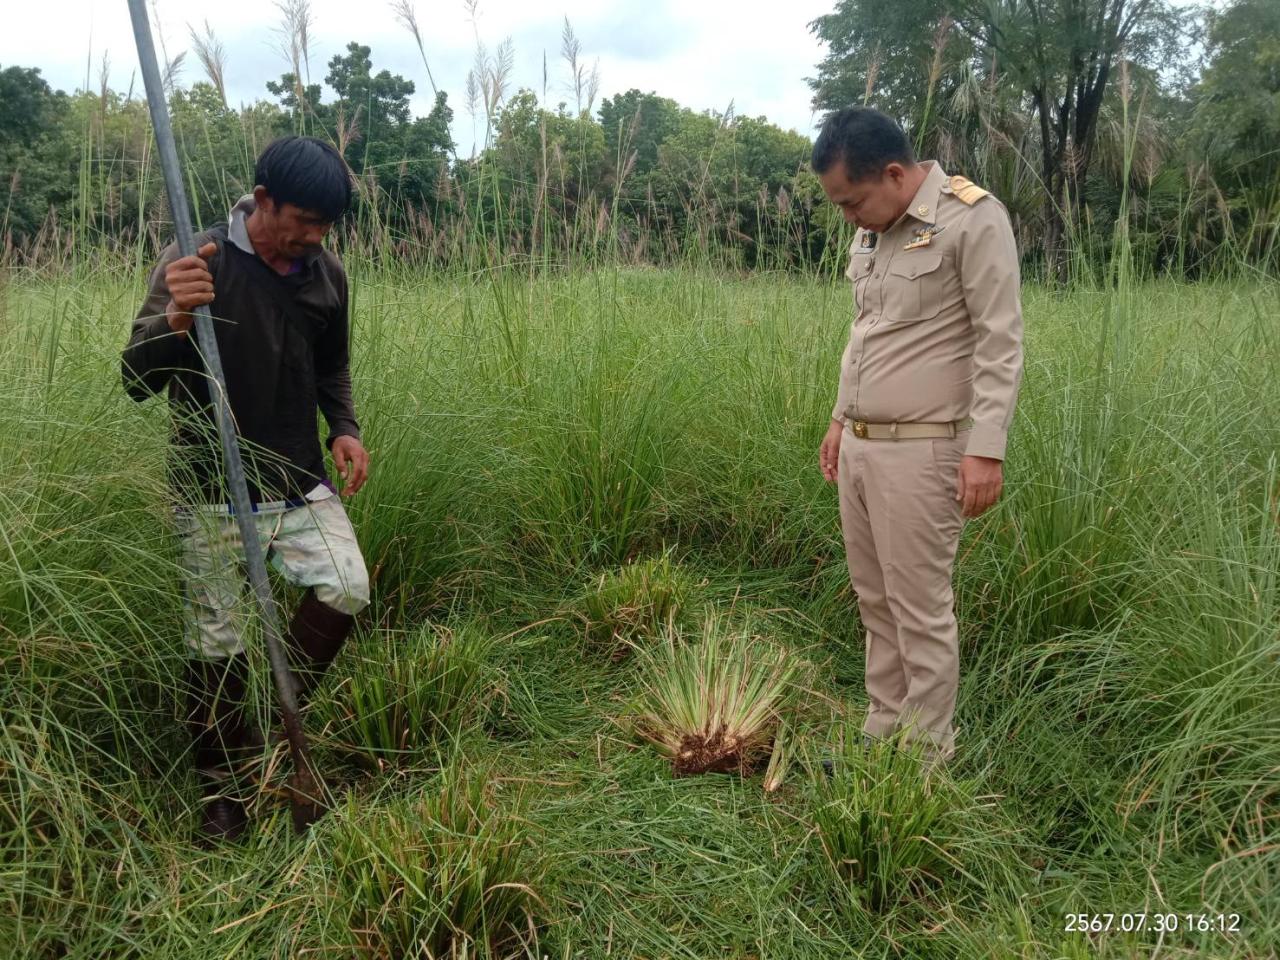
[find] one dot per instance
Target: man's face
(872, 203)
(293, 230)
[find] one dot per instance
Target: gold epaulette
(966, 191)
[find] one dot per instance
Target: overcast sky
(701, 53)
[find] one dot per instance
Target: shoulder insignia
(966, 191)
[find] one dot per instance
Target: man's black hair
(306, 172)
(865, 139)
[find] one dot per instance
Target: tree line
(1080, 116)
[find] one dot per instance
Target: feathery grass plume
(346, 130)
(474, 87)
(712, 704)
(172, 68)
(499, 75)
(451, 873)
(405, 12)
(583, 84)
(940, 36)
(472, 96)
(104, 88)
(873, 72)
(172, 71)
(213, 57)
(294, 33)
(406, 692)
(489, 76)
(633, 603)
(892, 828)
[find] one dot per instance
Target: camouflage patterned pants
(310, 546)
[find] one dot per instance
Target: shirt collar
(924, 205)
(237, 229)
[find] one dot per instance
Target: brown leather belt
(908, 431)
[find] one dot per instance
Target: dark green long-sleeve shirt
(285, 353)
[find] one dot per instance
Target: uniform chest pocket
(914, 286)
(858, 271)
(859, 266)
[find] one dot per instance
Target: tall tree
(370, 121)
(35, 152)
(1062, 55)
(1237, 121)
(1238, 99)
(635, 125)
(882, 52)
(1058, 55)
(370, 108)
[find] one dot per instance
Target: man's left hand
(979, 484)
(352, 461)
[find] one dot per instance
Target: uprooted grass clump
(452, 872)
(633, 603)
(894, 827)
(713, 703)
(409, 691)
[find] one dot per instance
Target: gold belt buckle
(860, 429)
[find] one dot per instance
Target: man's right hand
(829, 452)
(190, 285)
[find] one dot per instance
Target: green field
(534, 434)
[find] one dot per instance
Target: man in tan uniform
(927, 390)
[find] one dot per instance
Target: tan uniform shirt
(938, 330)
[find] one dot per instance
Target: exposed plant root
(717, 754)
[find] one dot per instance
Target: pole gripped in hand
(307, 791)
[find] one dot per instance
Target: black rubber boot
(316, 635)
(224, 737)
(222, 817)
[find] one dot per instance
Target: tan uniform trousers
(901, 526)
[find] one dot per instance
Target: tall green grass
(535, 431)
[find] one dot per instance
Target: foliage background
(1034, 101)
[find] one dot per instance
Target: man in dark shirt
(280, 314)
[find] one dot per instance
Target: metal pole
(306, 794)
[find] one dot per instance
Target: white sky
(701, 53)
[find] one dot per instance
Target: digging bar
(305, 790)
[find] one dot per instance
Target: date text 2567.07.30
(1152, 922)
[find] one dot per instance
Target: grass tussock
(713, 703)
(634, 604)
(892, 828)
(407, 691)
(452, 872)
